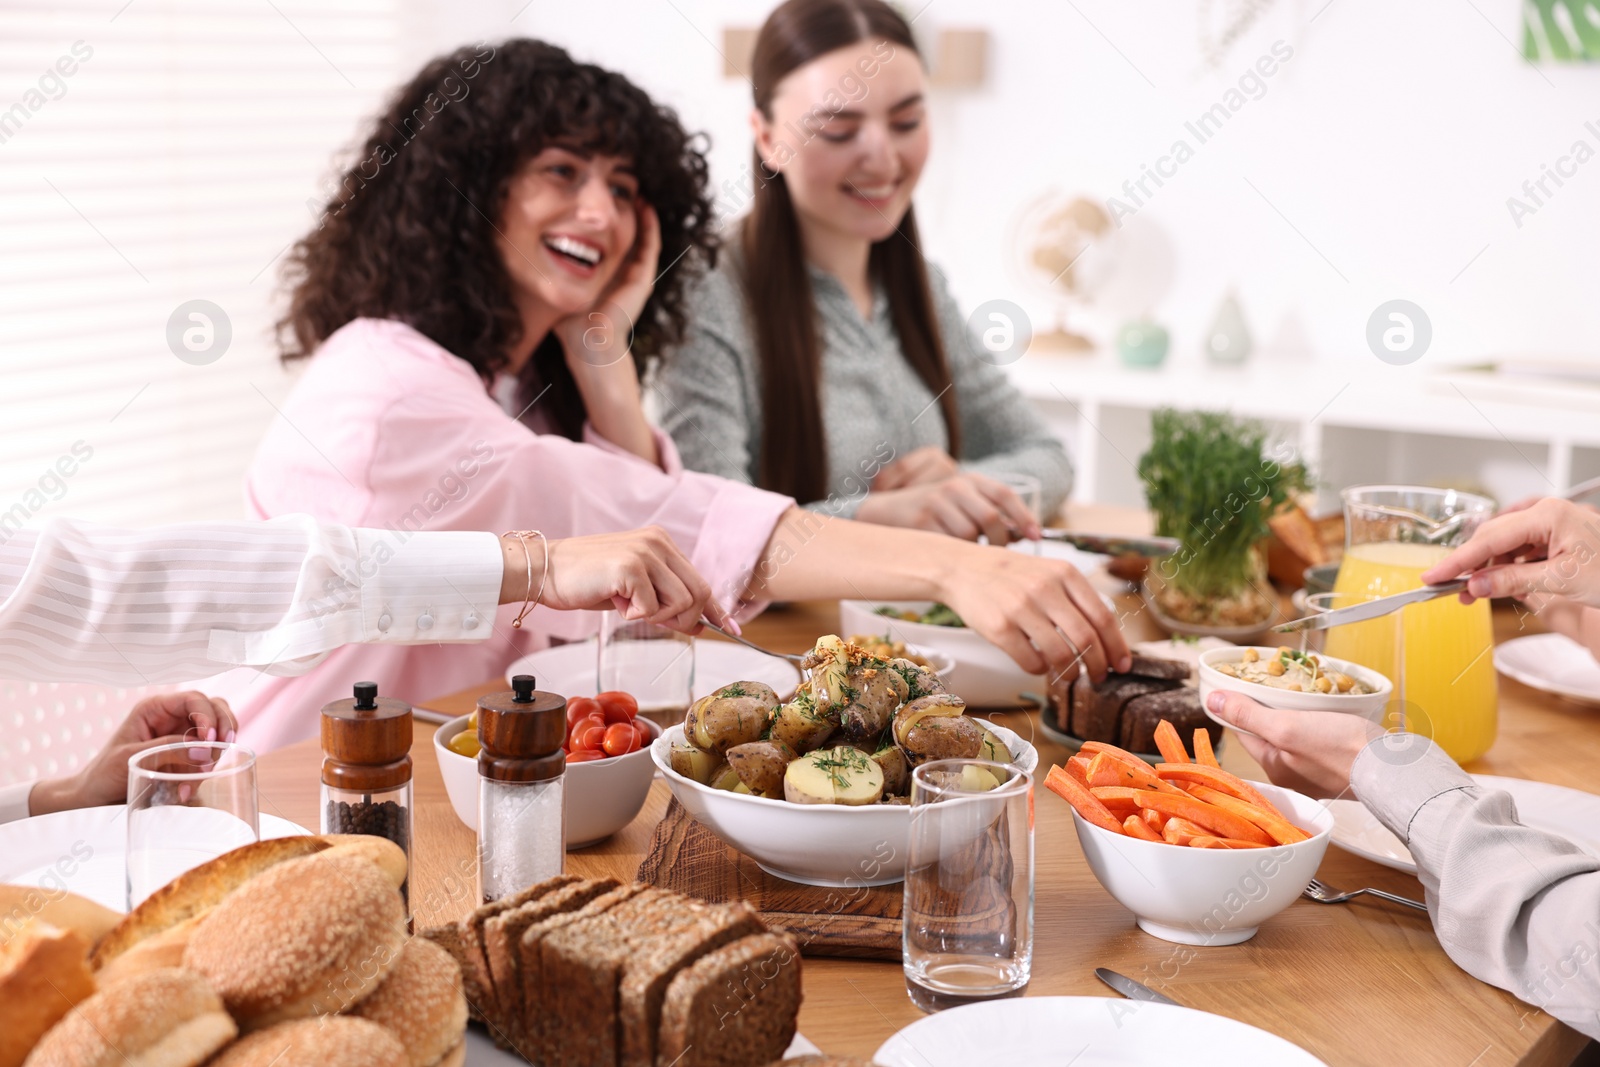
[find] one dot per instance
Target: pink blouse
(387, 429)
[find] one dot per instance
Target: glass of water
(653, 663)
(188, 802)
(1031, 491)
(968, 915)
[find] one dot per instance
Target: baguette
(44, 973)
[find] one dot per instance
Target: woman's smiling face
(850, 145)
(567, 226)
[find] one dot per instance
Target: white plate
(85, 851)
(1086, 562)
(482, 1053)
(1552, 662)
(1571, 813)
(1085, 1032)
(572, 670)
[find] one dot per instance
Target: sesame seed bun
(331, 1041)
(420, 1002)
(162, 1018)
(380, 850)
(44, 971)
(307, 937)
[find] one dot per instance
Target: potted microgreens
(1211, 483)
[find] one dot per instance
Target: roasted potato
(802, 726)
(872, 696)
(896, 771)
(693, 763)
(933, 727)
(994, 750)
(736, 714)
(760, 765)
(842, 775)
(725, 777)
(920, 681)
(934, 705)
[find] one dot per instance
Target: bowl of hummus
(1291, 680)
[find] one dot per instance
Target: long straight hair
(777, 288)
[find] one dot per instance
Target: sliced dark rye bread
(651, 969)
(502, 937)
(540, 1018)
(734, 1006)
(476, 981)
(1097, 709)
(1181, 707)
(580, 968)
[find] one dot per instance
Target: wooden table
(1354, 984)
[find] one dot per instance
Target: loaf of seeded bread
(502, 942)
(1125, 709)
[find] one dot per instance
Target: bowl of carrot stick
(1199, 855)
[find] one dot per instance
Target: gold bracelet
(527, 605)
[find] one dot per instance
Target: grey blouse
(874, 407)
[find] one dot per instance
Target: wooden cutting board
(862, 923)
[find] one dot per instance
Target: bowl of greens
(980, 673)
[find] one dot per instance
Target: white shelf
(1354, 423)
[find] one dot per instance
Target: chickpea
(1285, 650)
(1223, 668)
(1275, 668)
(1323, 685)
(1250, 656)
(1343, 682)
(1293, 687)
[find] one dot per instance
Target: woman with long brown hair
(826, 358)
(467, 306)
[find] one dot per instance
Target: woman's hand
(597, 340)
(963, 505)
(1042, 612)
(917, 467)
(163, 719)
(641, 573)
(1307, 751)
(1547, 550)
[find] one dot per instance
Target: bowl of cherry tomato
(609, 768)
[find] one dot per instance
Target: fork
(790, 656)
(1324, 894)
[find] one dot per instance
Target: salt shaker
(366, 771)
(520, 770)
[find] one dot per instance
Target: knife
(1370, 609)
(1131, 989)
(1113, 545)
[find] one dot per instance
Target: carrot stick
(1083, 802)
(1106, 769)
(1078, 767)
(1169, 744)
(1203, 753)
(1277, 827)
(1118, 799)
(1134, 826)
(1218, 822)
(1203, 841)
(1091, 748)
(1154, 819)
(1217, 778)
(1181, 832)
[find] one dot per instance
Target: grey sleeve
(1000, 431)
(703, 390)
(1513, 906)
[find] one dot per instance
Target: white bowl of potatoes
(814, 790)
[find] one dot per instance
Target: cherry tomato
(578, 707)
(621, 738)
(584, 755)
(591, 737)
(640, 729)
(618, 706)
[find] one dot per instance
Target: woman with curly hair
(477, 302)
(826, 358)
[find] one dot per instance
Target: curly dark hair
(410, 232)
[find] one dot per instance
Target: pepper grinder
(520, 770)
(366, 770)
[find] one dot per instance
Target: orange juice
(1448, 681)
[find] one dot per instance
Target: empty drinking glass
(653, 663)
(1031, 491)
(968, 916)
(188, 802)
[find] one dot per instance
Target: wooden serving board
(860, 923)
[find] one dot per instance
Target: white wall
(1390, 140)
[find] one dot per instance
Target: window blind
(155, 153)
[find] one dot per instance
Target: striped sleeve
(81, 602)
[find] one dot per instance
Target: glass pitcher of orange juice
(1440, 654)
